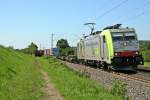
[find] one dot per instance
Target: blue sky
(25, 21)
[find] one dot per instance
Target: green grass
(147, 64)
(146, 55)
(20, 79)
(73, 86)
(19, 76)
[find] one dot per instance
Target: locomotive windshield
(129, 36)
(122, 36)
(117, 36)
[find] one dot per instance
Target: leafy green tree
(32, 48)
(70, 51)
(67, 51)
(62, 43)
(64, 47)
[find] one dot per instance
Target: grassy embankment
(19, 77)
(147, 64)
(73, 86)
(146, 55)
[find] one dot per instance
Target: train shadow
(130, 72)
(144, 70)
(124, 71)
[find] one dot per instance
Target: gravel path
(136, 90)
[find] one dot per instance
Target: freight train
(48, 52)
(114, 48)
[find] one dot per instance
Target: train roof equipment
(116, 26)
(113, 28)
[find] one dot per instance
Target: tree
(64, 47)
(62, 43)
(67, 51)
(32, 48)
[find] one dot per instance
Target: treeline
(144, 45)
(31, 49)
(145, 49)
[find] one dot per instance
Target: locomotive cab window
(130, 36)
(117, 36)
(123, 36)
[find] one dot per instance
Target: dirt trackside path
(50, 93)
(48, 89)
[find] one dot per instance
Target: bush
(146, 55)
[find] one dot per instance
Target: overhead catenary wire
(137, 16)
(131, 16)
(102, 8)
(112, 9)
(127, 17)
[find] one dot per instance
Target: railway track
(144, 69)
(139, 75)
(138, 83)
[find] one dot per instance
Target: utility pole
(52, 43)
(40, 46)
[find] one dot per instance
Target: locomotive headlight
(125, 44)
(116, 54)
(136, 52)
